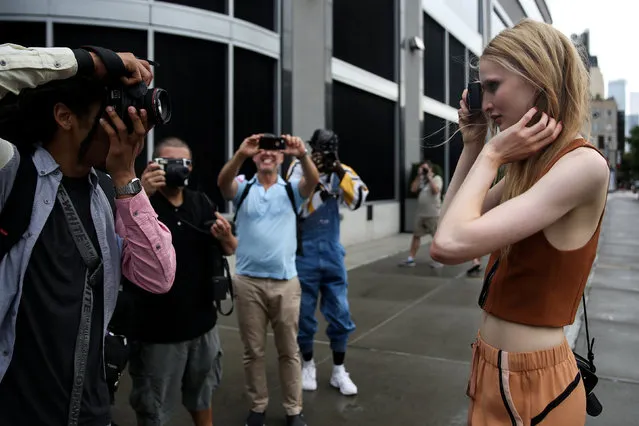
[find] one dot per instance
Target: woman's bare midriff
(512, 337)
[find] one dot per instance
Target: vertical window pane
(434, 134)
(456, 71)
(365, 124)
(254, 102)
(455, 145)
(260, 12)
(27, 34)
(434, 61)
(199, 103)
(364, 35)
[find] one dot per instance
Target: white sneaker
(342, 381)
(309, 378)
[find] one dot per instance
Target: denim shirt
(141, 249)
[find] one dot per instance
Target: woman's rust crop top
(537, 284)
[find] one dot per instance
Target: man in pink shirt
(55, 303)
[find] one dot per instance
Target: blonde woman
(541, 223)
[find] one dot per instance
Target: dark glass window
(434, 135)
(199, 104)
(364, 35)
(434, 61)
(27, 34)
(260, 12)
(455, 145)
(456, 71)
(218, 6)
(117, 39)
(254, 101)
(365, 124)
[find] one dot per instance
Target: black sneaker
(255, 419)
(297, 420)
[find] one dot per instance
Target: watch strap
(131, 188)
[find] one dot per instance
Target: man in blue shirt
(266, 285)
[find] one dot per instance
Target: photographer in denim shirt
(54, 124)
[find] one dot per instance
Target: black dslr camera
(587, 370)
(176, 169)
(155, 101)
(326, 142)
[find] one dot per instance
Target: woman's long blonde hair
(549, 61)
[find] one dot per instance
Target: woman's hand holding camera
(221, 228)
(124, 146)
(473, 126)
(153, 178)
(519, 142)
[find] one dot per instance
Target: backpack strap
(298, 218)
(241, 200)
(16, 213)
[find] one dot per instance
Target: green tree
(630, 162)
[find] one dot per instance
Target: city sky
(613, 34)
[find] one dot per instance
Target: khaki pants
(258, 302)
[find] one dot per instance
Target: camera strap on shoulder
(298, 218)
(94, 273)
(15, 216)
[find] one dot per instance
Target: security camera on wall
(416, 43)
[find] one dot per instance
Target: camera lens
(158, 103)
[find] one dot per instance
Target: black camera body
(155, 101)
(474, 96)
(176, 169)
(587, 371)
(272, 142)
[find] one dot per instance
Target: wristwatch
(131, 188)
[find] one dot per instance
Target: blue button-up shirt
(266, 230)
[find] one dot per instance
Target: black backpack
(291, 197)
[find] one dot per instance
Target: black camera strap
(93, 274)
(112, 62)
(225, 262)
(589, 343)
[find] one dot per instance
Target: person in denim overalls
(320, 266)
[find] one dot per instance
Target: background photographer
(429, 186)
(53, 320)
(180, 352)
(266, 284)
(321, 267)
